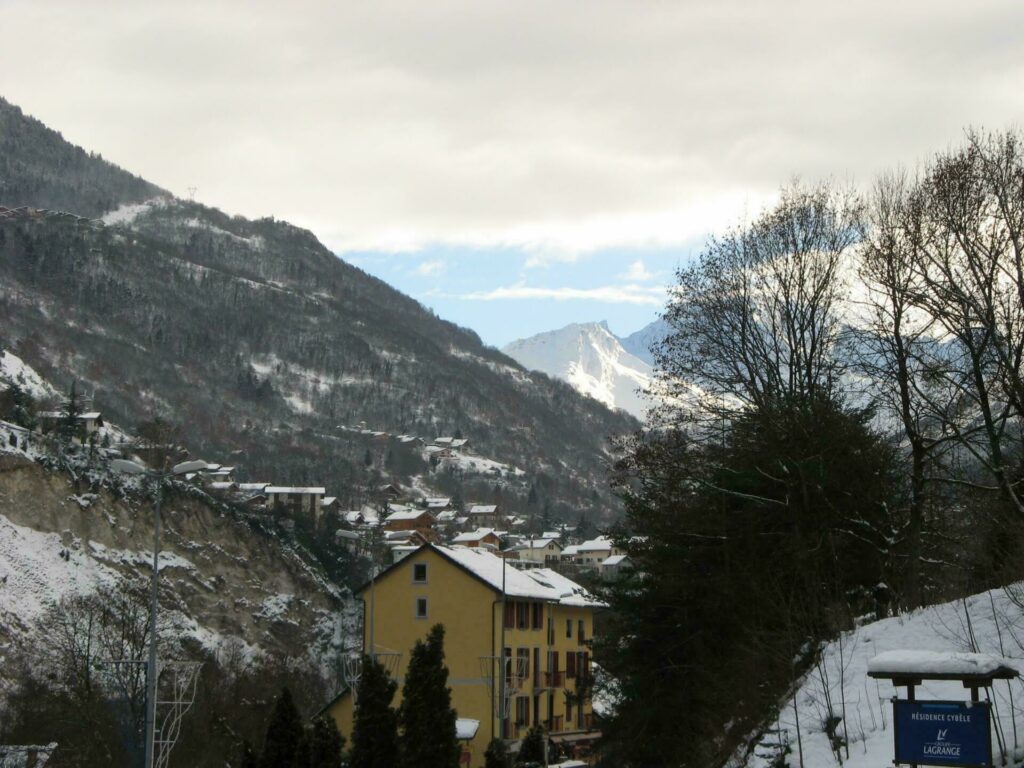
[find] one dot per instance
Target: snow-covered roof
(406, 514)
(572, 549)
(483, 509)
(615, 560)
(291, 489)
(477, 535)
(447, 516)
(342, 533)
(61, 415)
(537, 584)
(938, 665)
(437, 502)
(222, 486)
(466, 728)
(252, 486)
(599, 544)
(538, 544)
(328, 500)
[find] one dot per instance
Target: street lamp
(131, 468)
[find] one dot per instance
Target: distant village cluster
(390, 527)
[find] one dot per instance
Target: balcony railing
(555, 723)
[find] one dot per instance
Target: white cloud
(430, 268)
(637, 273)
(561, 128)
(611, 294)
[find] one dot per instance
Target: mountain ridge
(592, 360)
(259, 342)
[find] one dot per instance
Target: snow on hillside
(590, 358)
(13, 370)
(995, 621)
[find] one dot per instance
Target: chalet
(517, 646)
(482, 537)
(484, 514)
(410, 519)
(614, 565)
(590, 554)
(296, 501)
(539, 551)
(389, 491)
(86, 424)
(437, 504)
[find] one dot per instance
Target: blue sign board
(942, 732)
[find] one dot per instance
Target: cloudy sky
(514, 165)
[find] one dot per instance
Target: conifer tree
(532, 749)
(284, 734)
(375, 727)
(497, 755)
(67, 428)
(325, 743)
(428, 737)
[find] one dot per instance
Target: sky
(517, 165)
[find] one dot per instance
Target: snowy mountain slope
(592, 360)
(13, 370)
(995, 620)
(639, 343)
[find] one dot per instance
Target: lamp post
(131, 468)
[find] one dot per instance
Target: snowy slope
(592, 360)
(639, 343)
(996, 622)
(15, 371)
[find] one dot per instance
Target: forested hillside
(258, 342)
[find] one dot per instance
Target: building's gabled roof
(407, 513)
(290, 489)
(483, 509)
(572, 549)
(447, 516)
(328, 500)
(437, 502)
(253, 486)
(600, 544)
(477, 535)
(615, 560)
(538, 584)
(537, 544)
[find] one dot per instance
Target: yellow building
(541, 619)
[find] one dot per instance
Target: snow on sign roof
(466, 728)
(290, 489)
(939, 665)
(538, 584)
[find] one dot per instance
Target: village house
(521, 638)
(296, 501)
(538, 552)
(481, 537)
(410, 519)
(590, 554)
(87, 424)
(614, 565)
(484, 515)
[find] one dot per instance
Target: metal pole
(151, 666)
(501, 654)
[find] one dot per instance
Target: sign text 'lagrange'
(951, 733)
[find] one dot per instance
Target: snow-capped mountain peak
(590, 358)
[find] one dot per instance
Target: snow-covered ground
(13, 370)
(990, 622)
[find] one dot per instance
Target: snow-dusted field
(990, 622)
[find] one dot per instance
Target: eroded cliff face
(223, 577)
